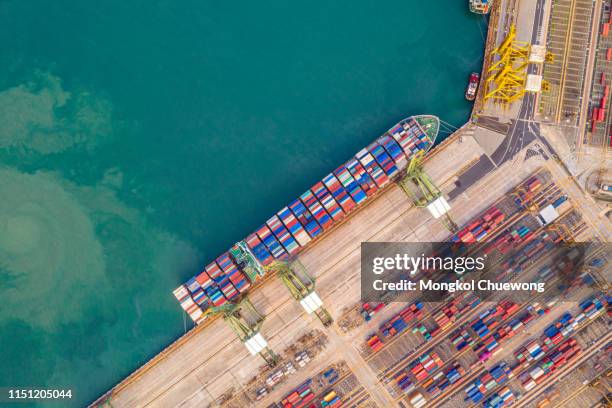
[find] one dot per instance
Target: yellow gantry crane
(302, 288)
(430, 196)
(506, 78)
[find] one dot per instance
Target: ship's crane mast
(246, 321)
(302, 288)
(430, 195)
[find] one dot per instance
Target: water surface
(139, 139)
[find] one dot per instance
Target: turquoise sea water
(139, 139)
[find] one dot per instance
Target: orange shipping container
(605, 29)
(606, 90)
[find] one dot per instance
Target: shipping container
(383, 159)
(283, 235)
(293, 225)
(349, 183)
(362, 177)
(328, 201)
(270, 241)
(305, 218)
(373, 168)
(339, 193)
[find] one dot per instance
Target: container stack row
(400, 321)
(425, 365)
(500, 399)
(312, 214)
(368, 310)
(443, 379)
(301, 397)
(331, 400)
(496, 376)
(479, 228)
(220, 282)
(554, 360)
(461, 339)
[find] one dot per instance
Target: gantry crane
(246, 327)
(246, 261)
(301, 287)
(430, 195)
(506, 78)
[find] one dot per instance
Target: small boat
(470, 92)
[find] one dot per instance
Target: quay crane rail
(302, 288)
(431, 196)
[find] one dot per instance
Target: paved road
(523, 130)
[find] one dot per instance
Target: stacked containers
(295, 228)
(395, 151)
(214, 292)
(259, 249)
(283, 235)
(394, 326)
(237, 278)
(361, 176)
(331, 400)
(591, 307)
(349, 183)
(268, 238)
(182, 295)
(404, 136)
(383, 159)
(403, 381)
(557, 358)
(479, 228)
(374, 343)
(305, 218)
(372, 167)
(531, 351)
(493, 378)
(399, 322)
(443, 380)
(328, 201)
(462, 339)
(445, 317)
(339, 193)
(504, 398)
(316, 209)
(425, 365)
(300, 397)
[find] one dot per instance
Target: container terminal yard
(279, 317)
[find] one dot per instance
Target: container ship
(308, 217)
(470, 92)
(480, 6)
